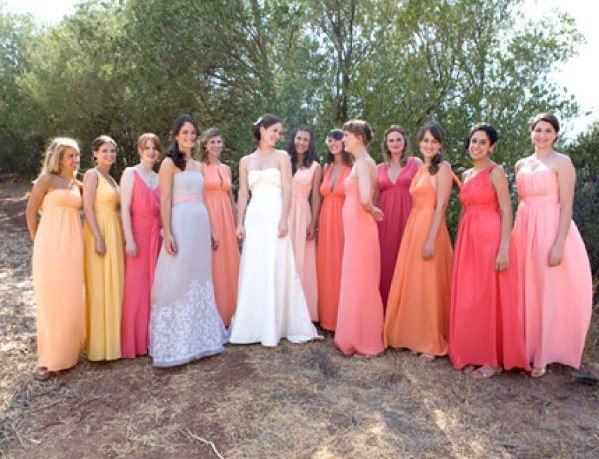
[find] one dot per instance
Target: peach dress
(360, 319)
(58, 280)
(557, 300)
(304, 251)
(420, 295)
(329, 250)
(225, 260)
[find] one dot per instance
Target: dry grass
(293, 401)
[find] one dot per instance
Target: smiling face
(105, 155)
(479, 145)
(69, 161)
(214, 145)
(543, 135)
(301, 142)
(148, 153)
(334, 146)
(269, 136)
(429, 146)
(186, 137)
(396, 143)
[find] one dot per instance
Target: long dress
(557, 300)
(419, 299)
(225, 260)
(270, 301)
(104, 276)
(360, 319)
(304, 251)
(486, 324)
(58, 280)
(139, 270)
(396, 203)
(329, 250)
(185, 323)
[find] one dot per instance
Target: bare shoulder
(522, 161)
(283, 156)
(44, 180)
(497, 172)
(90, 174)
(563, 160)
(445, 166)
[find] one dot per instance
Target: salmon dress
(329, 250)
(557, 300)
(304, 251)
(396, 203)
(486, 324)
(360, 318)
(104, 276)
(225, 260)
(58, 280)
(139, 270)
(417, 315)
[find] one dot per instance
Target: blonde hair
(206, 136)
(55, 152)
(149, 137)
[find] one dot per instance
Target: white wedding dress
(270, 302)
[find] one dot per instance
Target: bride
(270, 302)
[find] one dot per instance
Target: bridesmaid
(57, 259)
(218, 194)
(394, 177)
(103, 254)
(486, 326)
(140, 213)
(360, 320)
(554, 276)
(329, 250)
(303, 214)
(419, 298)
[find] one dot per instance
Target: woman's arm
(231, 197)
(38, 192)
(242, 198)
(285, 167)
(501, 185)
(566, 179)
(165, 183)
(90, 186)
(444, 181)
(315, 200)
(126, 191)
(364, 176)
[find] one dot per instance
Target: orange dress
(420, 295)
(225, 260)
(360, 318)
(329, 250)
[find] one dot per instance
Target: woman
(57, 259)
(329, 250)
(394, 176)
(184, 323)
(486, 327)
(360, 319)
(554, 276)
(417, 315)
(140, 213)
(303, 214)
(218, 194)
(270, 301)
(103, 254)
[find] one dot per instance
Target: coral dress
(420, 295)
(396, 203)
(557, 300)
(104, 276)
(304, 251)
(486, 324)
(139, 270)
(58, 280)
(329, 250)
(225, 260)
(360, 319)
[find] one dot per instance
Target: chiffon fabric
(185, 323)
(139, 270)
(225, 260)
(329, 250)
(58, 280)
(304, 251)
(557, 300)
(417, 314)
(270, 301)
(396, 203)
(487, 325)
(360, 319)
(104, 276)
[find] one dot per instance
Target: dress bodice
(537, 185)
(216, 178)
(478, 193)
(402, 182)
(62, 198)
(422, 189)
(301, 184)
(264, 179)
(188, 186)
(107, 196)
(339, 187)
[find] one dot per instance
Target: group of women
(362, 249)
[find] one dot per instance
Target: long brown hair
(406, 145)
(439, 135)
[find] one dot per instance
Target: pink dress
(139, 270)
(360, 318)
(304, 251)
(396, 203)
(557, 300)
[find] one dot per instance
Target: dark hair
(173, 152)
(406, 148)
(264, 121)
(360, 128)
(487, 129)
(337, 134)
(548, 118)
(101, 140)
(309, 155)
(206, 136)
(437, 132)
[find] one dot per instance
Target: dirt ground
(292, 401)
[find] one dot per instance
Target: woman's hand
(283, 228)
(100, 247)
(555, 255)
(170, 245)
(310, 233)
(131, 248)
(377, 214)
(502, 260)
(240, 232)
(428, 251)
(214, 240)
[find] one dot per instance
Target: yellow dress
(104, 276)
